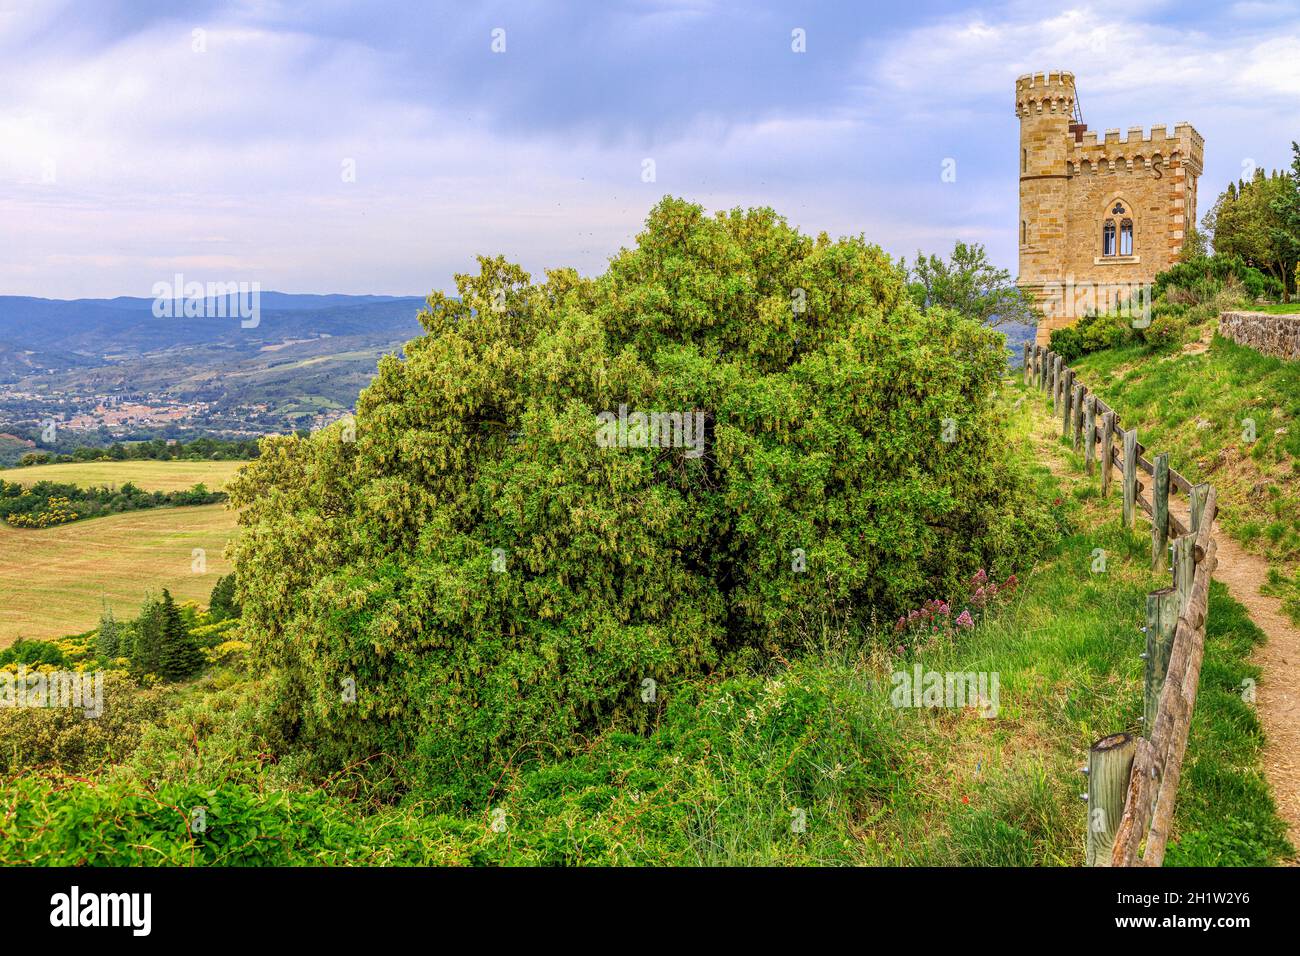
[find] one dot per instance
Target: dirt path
(1277, 699)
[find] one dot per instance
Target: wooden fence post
(1056, 384)
(1160, 511)
(1067, 394)
(1184, 568)
(1080, 393)
(1110, 762)
(1162, 619)
(1090, 432)
(1024, 364)
(1107, 441)
(1197, 505)
(1130, 475)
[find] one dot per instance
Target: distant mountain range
(60, 333)
(306, 358)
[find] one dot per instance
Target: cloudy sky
(378, 146)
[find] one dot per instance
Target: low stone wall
(1277, 335)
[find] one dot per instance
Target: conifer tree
(222, 604)
(180, 656)
(108, 645)
(146, 654)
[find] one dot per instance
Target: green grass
(1202, 408)
(1199, 407)
(1278, 308)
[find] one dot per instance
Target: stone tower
(1098, 220)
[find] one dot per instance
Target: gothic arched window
(1108, 238)
(1126, 237)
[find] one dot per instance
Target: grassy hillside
(1198, 404)
(1226, 815)
(53, 581)
(804, 762)
(147, 475)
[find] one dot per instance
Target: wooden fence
(1133, 780)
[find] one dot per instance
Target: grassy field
(146, 475)
(53, 581)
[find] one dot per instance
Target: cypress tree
(222, 603)
(108, 645)
(181, 656)
(146, 654)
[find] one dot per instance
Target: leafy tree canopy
(466, 575)
(971, 285)
(1258, 221)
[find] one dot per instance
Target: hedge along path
(1278, 700)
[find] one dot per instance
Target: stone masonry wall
(1277, 335)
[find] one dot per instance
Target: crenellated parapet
(1051, 92)
(1139, 149)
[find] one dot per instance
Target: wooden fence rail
(1132, 782)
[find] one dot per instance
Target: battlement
(1138, 146)
(1139, 134)
(1050, 92)
(1055, 78)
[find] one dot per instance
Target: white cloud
(231, 159)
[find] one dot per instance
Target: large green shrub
(465, 572)
(1202, 278)
(1092, 333)
(65, 738)
(1166, 329)
(32, 653)
(1067, 342)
